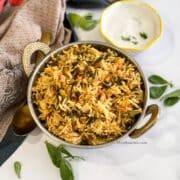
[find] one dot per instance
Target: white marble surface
(158, 158)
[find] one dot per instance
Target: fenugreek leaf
(66, 170)
(74, 19)
(157, 91)
(58, 156)
(17, 168)
(171, 101)
(54, 154)
(87, 24)
(156, 79)
(175, 93)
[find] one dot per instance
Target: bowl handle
(41, 48)
(154, 111)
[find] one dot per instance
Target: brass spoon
(23, 122)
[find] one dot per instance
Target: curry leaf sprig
(17, 168)
(60, 158)
(85, 22)
(160, 87)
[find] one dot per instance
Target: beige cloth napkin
(18, 27)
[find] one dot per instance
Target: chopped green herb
(17, 168)
(143, 35)
(133, 37)
(125, 38)
(135, 42)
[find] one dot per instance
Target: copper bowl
(134, 132)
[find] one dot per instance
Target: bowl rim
(42, 64)
(148, 45)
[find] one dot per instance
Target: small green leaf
(171, 101)
(156, 92)
(135, 42)
(125, 38)
(54, 154)
(66, 170)
(87, 24)
(175, 93)
(74, 19)
(155, 79)
(133, 37)
(143, 35)
(88, 16)
(17, 169)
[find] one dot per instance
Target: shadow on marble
(116, 154)
(166, 135)
(35, 136)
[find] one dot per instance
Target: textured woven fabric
(18, 27)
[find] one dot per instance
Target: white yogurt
(124, 21)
